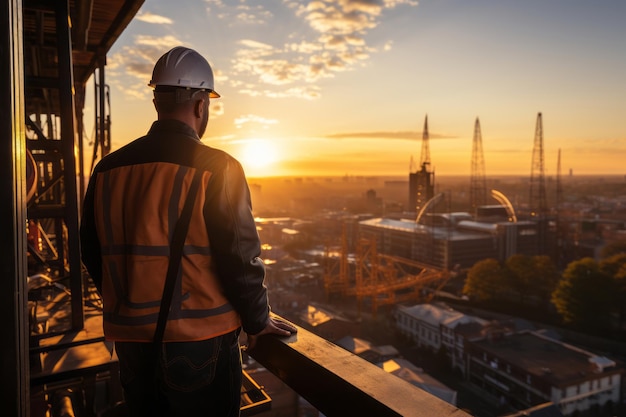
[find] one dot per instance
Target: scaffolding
(59, 361)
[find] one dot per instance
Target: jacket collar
(173, 127)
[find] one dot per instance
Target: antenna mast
(559, 185)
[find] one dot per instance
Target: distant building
(585, 237)
(421, 188)
(378, 354)
(422, 323)
(464, 333)
(271, 230)
(541, 410)
(365, 350)
(434, 327)
(492, 214)
(328, 324)
(451, 240)
(526, 369)
(289, 303)
(416, 376)
(354, 344)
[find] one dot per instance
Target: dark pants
(182, 378)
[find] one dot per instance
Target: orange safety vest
(138, 207)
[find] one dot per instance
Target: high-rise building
(422, 181)
(421, 188)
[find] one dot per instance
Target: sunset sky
(336, 87)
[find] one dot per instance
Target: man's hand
(274, 326)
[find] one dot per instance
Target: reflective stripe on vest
(136, 211)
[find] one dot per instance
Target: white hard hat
(183, 67)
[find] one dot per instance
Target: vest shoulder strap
(176, 253)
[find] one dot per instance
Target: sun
(259, 153)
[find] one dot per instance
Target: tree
(613, 248)
(522, 275)
(615, 267)
(532, 277)
(584, 295)
(546, 277)
(485, 280)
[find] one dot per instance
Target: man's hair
(168, 99)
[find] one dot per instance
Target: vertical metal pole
(14, 374)
(105, 146)
(68, 139)
(80, 106)
(96, 139)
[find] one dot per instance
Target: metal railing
(339, 383)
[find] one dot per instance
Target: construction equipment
(380, 279)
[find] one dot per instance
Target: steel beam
(339, 383)
(14, 374)
(68, 139)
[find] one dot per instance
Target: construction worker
(133, 206)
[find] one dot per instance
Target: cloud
(340, 17)
(217, 108)
(254, 46)
(304, 47)
(336, 42)
(332, 38)
(256, 15)
(251, 118)
(263, 61)
(154, 18)
(306, 92)
(216, 3)
(405, 135)
(133, 64)
(244, 13)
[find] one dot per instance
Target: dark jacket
(133, 201)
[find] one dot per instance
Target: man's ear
(198, 108)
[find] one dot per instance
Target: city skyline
(343, 87)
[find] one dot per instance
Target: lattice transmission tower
(559, 184)
(560, 233)
(478, 181)
(537, 202)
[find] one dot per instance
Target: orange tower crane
(381, 279)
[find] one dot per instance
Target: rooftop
(432, 314)
(409, 226)
(547, 358)
(416, 376)
(316, 315)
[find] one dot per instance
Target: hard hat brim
(212, 93)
